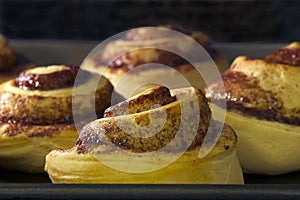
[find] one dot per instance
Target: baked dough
(263, 108)
(35, 121)
(127, 60)
(32, 106)
(11, 63)
(24, 147)
(265, 147)
(107, 152)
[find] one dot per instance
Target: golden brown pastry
(11, 63)
(263, 108)
(36, 113)
(124, 61)
(153, 137)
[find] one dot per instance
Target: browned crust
(13, 130)
(183, 68)
(31, 109)
(285, 56)
(134, 58)
(50, 81)
(141, 35)
(226, 141)
(107, 131)
(156, 96)
(43, 110)
(245, 95)
(131, 59)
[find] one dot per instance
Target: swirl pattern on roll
(138, 141)
(135, 49)
(36, 113)
(166, 55)
(140, 109)
(264, 88)
(43, 95)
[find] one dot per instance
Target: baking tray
(17, 185)
(214, 192)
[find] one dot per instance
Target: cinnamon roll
(153, 137)
(36, 113)
(126, 62)
(263, 108)
(11, 63)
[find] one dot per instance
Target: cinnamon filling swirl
(145, 110)
(266, 89)
(245, 96)
(44, 95)
(145, 101)
(42, 79)
(146, 55)
(135, 49)
(285, 56)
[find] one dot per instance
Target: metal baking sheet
(214, 192)
(18, 185)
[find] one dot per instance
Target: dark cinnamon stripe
(272, 114)
(11, 130)
(285, 56)
(164, 57)
(160, 95)
(245, 96)
(55, 80)
(126, 62)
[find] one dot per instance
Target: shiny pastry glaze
(109, 132)
(28, 80)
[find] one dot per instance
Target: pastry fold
(134, 59)
(136, 143)
(34, 121)
(263, 108)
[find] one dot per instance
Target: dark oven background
(222, 20)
